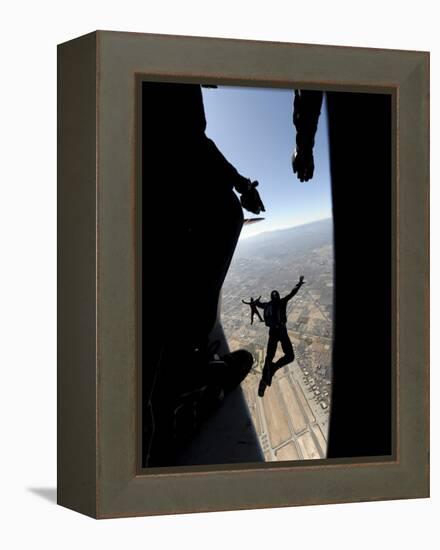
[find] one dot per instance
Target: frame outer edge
(77, 271)
(123, 493)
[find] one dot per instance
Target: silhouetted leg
(252, 318)
(214, 238)
(259, 316)
(266, 378)
(271, 348)
(204, 249)
(287, 347)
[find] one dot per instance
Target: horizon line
(284, 228)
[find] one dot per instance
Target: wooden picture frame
(98, 338)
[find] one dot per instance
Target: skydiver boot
(236, 366)
(215, 378)
(266, 378)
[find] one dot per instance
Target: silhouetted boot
(266, 378)
(261, 388)
(237, 365)
(219, 377)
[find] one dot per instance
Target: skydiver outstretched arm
(260, 304)
(306, 110)
(247, 303)
(295, 289)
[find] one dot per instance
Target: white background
(29, 34)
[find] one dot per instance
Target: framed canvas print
(243, 274)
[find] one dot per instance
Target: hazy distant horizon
(274, 230)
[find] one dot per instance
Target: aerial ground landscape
(291, 420)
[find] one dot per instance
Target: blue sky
(253, 128)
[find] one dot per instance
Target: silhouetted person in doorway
(191, 222)
(254, 310)
(360, 146)
(275, 318)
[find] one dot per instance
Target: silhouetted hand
(250, 199)
(301, 280)
(303, 164)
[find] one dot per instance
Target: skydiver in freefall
(275, 318)
(254, 310)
